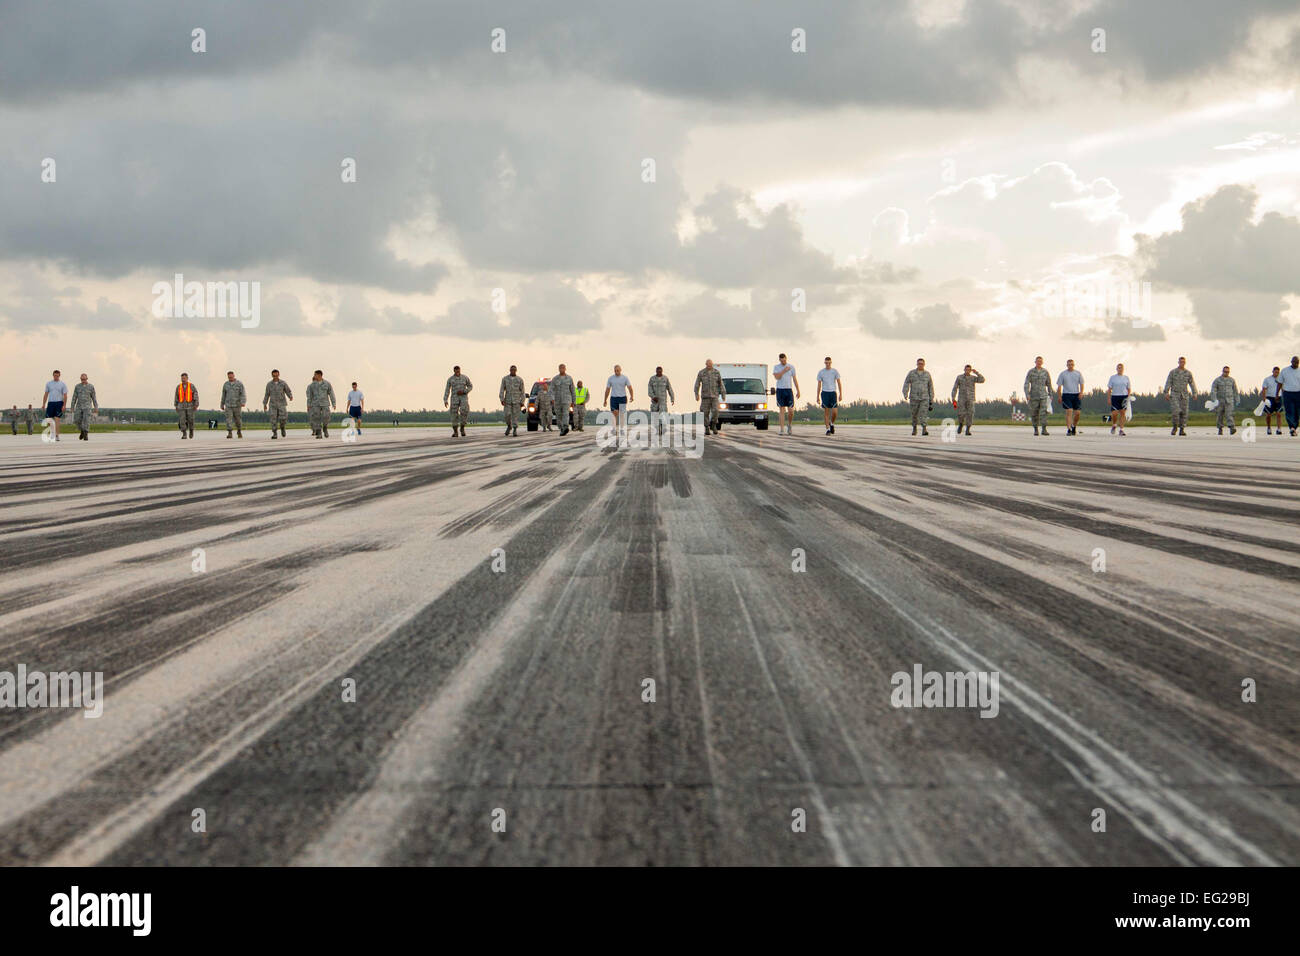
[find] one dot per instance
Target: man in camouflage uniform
(233, 400)
(581, 394)
(1179, 389)
(660, 391)
(1224, 391)
(1038, 392)
(512, 397)
(275, 401)
(185, 399)
(320, 400)
(458, 388)
(563, 395)
(85, 405)
(30, 417)
(14, 415)
(709, 389)
(963, 394)
(918, 389)
(544, 405)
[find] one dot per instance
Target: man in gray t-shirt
(1069, 394)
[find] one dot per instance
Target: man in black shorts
(1069, 393)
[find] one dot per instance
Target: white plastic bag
(1259, 409)
(1211, 405)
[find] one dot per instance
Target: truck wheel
(761, 424)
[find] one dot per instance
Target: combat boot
(1174, 430)
(191, 431)
(924, 431)
(1232, 429)
(182, 434)
(228, 434)
(967, 429)
(326, 430)
(1182, 431)
(282, 432)
(239, 432)
(515, 431)
(1220, 429)
(1044, 429)
(1035, 430)
(913, 429)
(507, 431)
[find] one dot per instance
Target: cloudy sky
(647, 183)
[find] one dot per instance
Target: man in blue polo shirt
(831, 390)
(56, 393)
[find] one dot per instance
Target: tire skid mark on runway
(1222, 832)
(1116, 529)
(401, 675)
(150, 626)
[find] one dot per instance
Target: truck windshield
(744, 386)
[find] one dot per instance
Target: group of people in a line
(559, 396)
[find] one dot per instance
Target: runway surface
(517, 695)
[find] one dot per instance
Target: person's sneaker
(828, 431)
(1268, 431)
(832, 429)
(1112, 429)
(1121, 433)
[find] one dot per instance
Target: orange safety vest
(185, 392)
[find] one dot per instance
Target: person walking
(233, 399)
(275, 402)
(56, 394)
(512, 399)
(1223, 391)
(581, 395)
(787, 390)
(1272, 395)
(185, 399)
(1117, 390)
(618, 391)
(918, 391)
(830, 389)
(1038, 392)
(963, 396)
(85, 405)
(709, 390)
(457, 390)
(1289, 379)
(1069, 392)
(562, 394)
(1179, 389)
(320, 402)
(356, 405)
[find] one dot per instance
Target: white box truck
(746, 386)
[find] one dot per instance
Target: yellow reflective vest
(580, 396)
